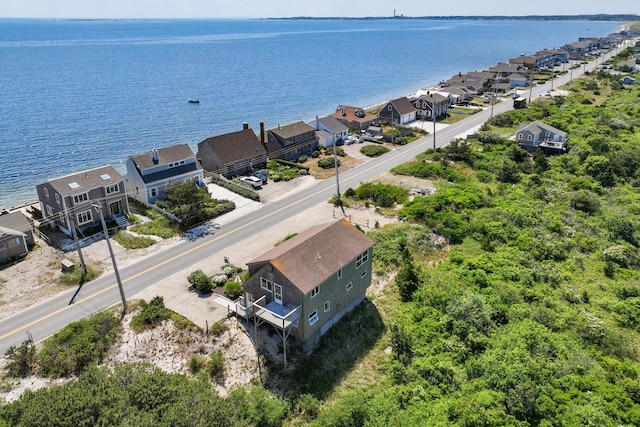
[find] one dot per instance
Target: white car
(253, 181)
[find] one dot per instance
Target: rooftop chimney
(262, 136)
(154, 155)
(245, 126)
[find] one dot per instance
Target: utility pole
(72, 225)
(493, 99)
(335, 164)
(98, 208)
(393, 129)
(433, 117)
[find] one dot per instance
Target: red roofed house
(306, 284)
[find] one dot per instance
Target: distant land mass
(598, 17)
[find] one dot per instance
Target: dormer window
(80, 198)
(111, 189)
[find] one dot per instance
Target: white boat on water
(194, 101)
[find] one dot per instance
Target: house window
(57, 198)
(266, 284)
(364, 273)
(80, 198)
(529, 137)
(84, 217)
(340, 274)
(349, 286)
(315, 291)
(547, 134)
(46, 192)
(111, 189)
(362, 258)
(327, 306)
(313, 317)
(154, 192)
(519, 136)
(49, 211)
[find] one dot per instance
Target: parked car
(252, 181)
(262, 177)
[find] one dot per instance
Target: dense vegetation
(533, 318)
(531, 315)
(192, 205)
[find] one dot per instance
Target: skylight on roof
(105, 177)
(74, 185)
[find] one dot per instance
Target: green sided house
(308, 283)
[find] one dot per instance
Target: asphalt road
(44, 319)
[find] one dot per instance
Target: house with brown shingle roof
(149, 173)
(308, 283)
(291, 141)
(354, 117)
(400, 111)
(69, 201)
(232, 154)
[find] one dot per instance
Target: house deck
(278, 315)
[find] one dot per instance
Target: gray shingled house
(149, 173)
(16, 236)
(291, 141)
(539, 135)
(232, 154)
(308, 283)
(400, 111)
(68, 201)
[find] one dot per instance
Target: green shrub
(218, 329)
(383, 195)
(374, 150)
(215, 367)
(233, 289)
(484, 176)
(200, 282)
(291, 164)
(129, 241)
(245, 192)
(302, 159)
(150, 315)
(74, 276)
(21, 360)
(328, 162)
(79, 345)
(195, 363)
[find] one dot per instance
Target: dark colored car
(261, 176)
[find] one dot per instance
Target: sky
(208, 9)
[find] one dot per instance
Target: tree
(401, 344)
(458, 150)
(407, 281)
(508, 172)
(599, 167)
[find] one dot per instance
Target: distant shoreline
(597, 17)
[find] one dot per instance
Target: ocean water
(76, 95)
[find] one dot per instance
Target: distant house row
(70, 201)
